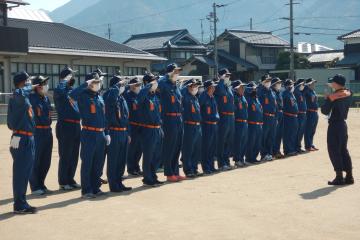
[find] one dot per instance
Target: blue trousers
(191, 148)
(23, 158)
(290, 134)
(173, 135)
(208, 146)
(253, 142)
(68, 135)
(310, 129)
(301, 130)
(279, 133)
(134, 151)
(268, 135)
(240, 141)
(92, 156)
(116, 158)
(151, 143)
(43, 149)
(225, 140)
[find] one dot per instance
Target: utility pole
(109, 32)
(202, 30)
(251, 24)
(292, 65)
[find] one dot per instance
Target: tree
(300, 61)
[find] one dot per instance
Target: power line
(322, 28)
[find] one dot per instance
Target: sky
(46, 4)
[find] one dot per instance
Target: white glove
(108, 140)
(15, 141)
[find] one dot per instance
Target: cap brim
(279, 81)
(267, 80)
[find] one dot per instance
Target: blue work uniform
(67, 133)
(267, 99)
(43, 140)
(20, 120)
(92, 112)
(312, 117)
(151, 133)
(290, 122)
(241, 127)
(210, 118)
(191, 147)
(300, 99)
(134, 152)
(255, 122)
(280, 122)
(225, 101)
(117, 121)
(171, 98)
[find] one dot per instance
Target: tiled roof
(353, 34)
(257, 37)
(325, 56)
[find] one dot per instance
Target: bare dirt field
(284, 199)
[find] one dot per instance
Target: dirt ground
(285, 199)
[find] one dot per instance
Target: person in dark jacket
(276, 87)
(300, 99)
(312, 116)
(336, 107)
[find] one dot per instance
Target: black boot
(339, 179)
(349, 179)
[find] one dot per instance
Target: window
(176, 55)
(268, 55)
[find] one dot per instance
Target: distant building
(325, 58)
(247, 54)
(308, 48)
(177, 46)
(351, 52)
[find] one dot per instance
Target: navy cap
(238, 83)
(21, 77)
(98, 71)
(66, 71)
(40, 80)
(288, 82)
(171, 67)
(251, 85)
(275, 81)
(339, 79)
(191, 82)
(134, 81)
(209, 83)
(266, 77)
(91, 76)
(224, 71)
(148, 77)
(300, 81)
(115, 80)
(310, 81)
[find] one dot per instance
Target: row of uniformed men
(157, 121)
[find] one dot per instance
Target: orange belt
(290, 114)
(23, 133)
(312, 110)
(241, 120)
(300, 112)
(117, 129)
(173, 114)
(149, 126)
(192, 123)
(255, 123)
(227, 113)
(269, 114)
(211, 123)
(135, 124)
(93, 129)
(42, 127)
(71, 121)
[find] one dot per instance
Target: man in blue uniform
(43, 135)
(117, 121)
(336, 107)
(191, 147)
(150, 130)
(267, 99)
(170, 98)
(300, 99)
(276, 87)
(241, 125)
(312, 114)
(225, 101)
(255, 122)
(290, 119)
(67, 130)
(210, 118)
(134, 152)
(20, 120)
(93, 139)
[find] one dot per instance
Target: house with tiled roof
(351, 52)
(176, 45)
(247, 54)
